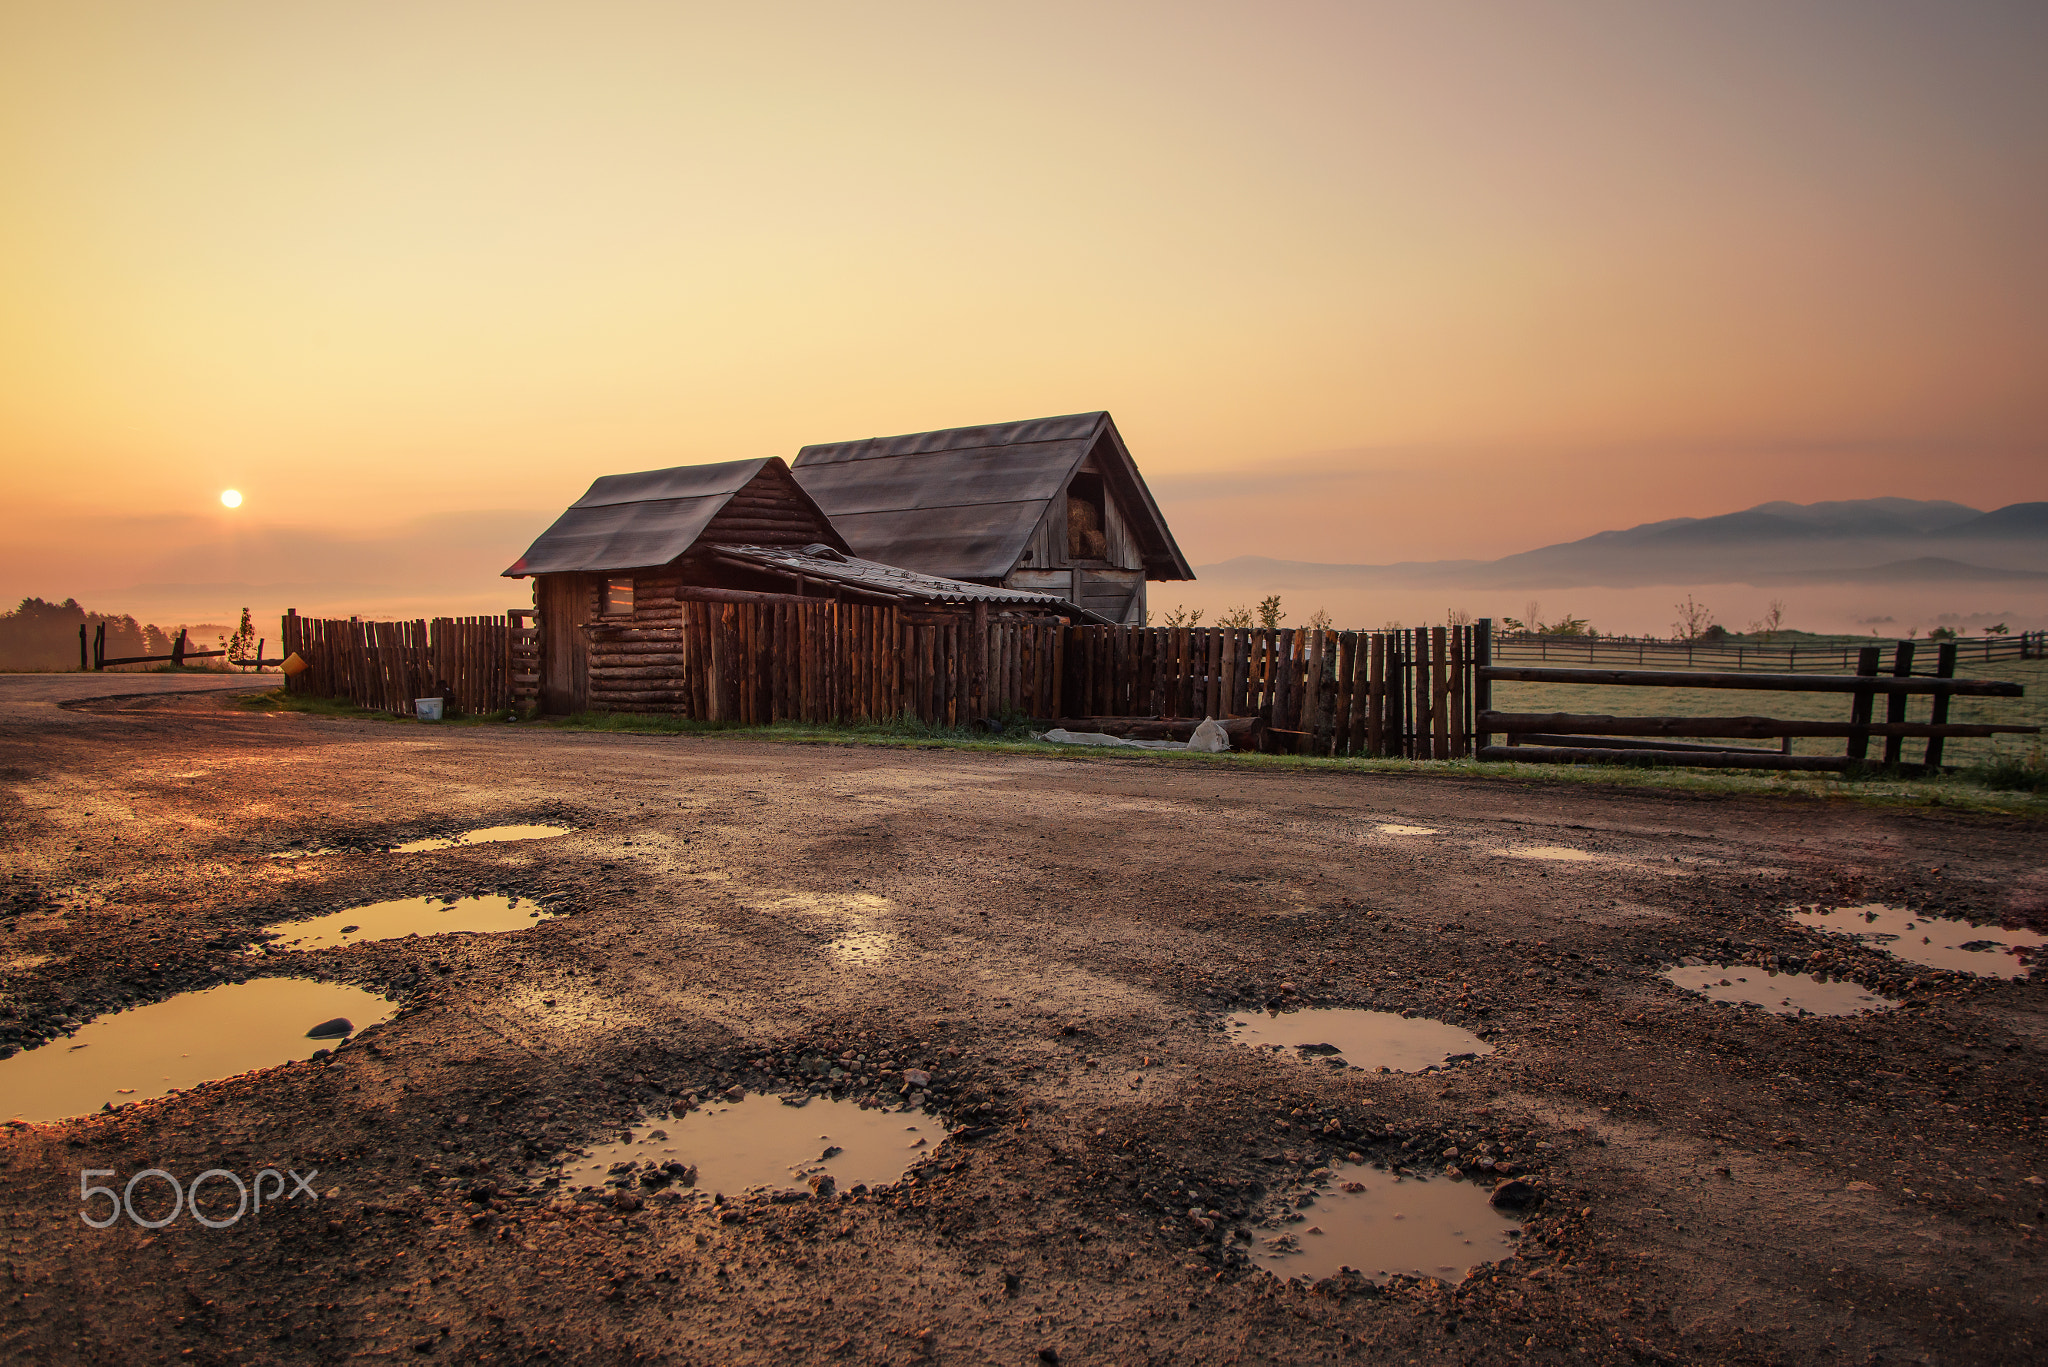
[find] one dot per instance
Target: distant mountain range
(1879, 541)
(1854, 542)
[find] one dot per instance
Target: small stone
(916, 1077)
(823, 1186)
(734, 1093)
(1514, 1193)
(339, 1028)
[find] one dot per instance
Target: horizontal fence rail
(1577, 738)
(1789, 657)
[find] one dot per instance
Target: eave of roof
(874, 577)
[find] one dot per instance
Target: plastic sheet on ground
(1059, 735)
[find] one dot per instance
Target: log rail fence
(1578, 738)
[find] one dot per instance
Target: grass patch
(2003, 786)
(2012, 773)
(1964, 791)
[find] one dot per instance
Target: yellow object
(294, 665)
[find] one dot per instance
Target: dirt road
(1058, 944)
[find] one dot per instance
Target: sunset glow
(231, 498)
(1360, 282)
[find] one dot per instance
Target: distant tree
(1457, 617)
(1238, 618)
(1181, 617)
(1269, 613)
(1565, 626)
(241, 647)
(1319, 620)
(1514, 624)
(1942, 634)
(1714, 632)
(1998, 630)
(1693, 620)
(1772, 622)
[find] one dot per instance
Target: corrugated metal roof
(679, 481)
(963, 501)
(640, 520)
(892, 579)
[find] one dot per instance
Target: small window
(618, 598)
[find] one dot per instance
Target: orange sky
(1360, 282)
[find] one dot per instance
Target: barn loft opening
(1087, 522)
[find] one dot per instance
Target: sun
(231, 498)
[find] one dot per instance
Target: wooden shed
(1053, 505)
(629, 554)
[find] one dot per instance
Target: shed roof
(649, 518)
(871, 577)
(964, 501)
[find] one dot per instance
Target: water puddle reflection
(1782, 994)
(483, 836)
(180, 1043)
(1561, 853)
(408, 916)
(1408, 830)
(1363, 1039)
(759, 1142)
(1935, 941)
(1380, 1226)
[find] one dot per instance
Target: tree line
(39, 635)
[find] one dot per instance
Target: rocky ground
(1056, 943)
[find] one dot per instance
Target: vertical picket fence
(1404, 692)
(385, 666)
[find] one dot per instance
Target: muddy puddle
(407, 916)
(1362, 1039)
(1935, 941)
(483, 836)
(1380, 1226)
(1562, 854)
(176, 1044)
(1407, 830)
(1782, 994)
(759, 1143)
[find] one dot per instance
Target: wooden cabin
(627, 555)
(1052, 505)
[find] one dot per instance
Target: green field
(2031, 710)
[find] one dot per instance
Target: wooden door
(567, 602)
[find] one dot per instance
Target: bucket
(429, 709)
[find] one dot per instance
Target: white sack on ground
(1210, 737)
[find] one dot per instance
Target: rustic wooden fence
(386, 665)
(1578, 738)
(1404, 692)
(756, 663)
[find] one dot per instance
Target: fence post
(1895, 705)
(1944, 668)
(1482, 687)
(1859, 708)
